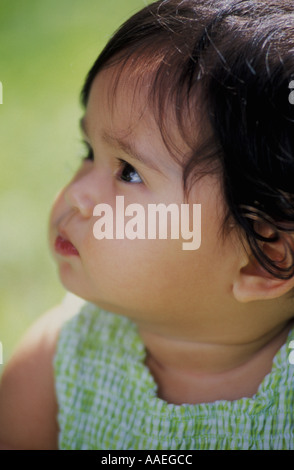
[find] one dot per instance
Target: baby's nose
(80, 195)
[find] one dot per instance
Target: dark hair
(232, 62)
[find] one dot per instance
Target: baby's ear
(253, 281)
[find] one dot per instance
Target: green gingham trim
(107, 397)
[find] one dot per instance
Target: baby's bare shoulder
(28, 408)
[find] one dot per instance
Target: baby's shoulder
(28, 408)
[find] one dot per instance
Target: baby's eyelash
(125, 172)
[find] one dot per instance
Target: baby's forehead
(125, 85)
(116, 101)
(123, 99)
(143, 88)
(119, 115)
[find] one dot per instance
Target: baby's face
(152, 281)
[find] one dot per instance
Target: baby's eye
(128, 173)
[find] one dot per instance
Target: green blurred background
(46, 49)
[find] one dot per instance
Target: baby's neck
(188, 372)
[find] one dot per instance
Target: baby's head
(200, 89)
(223, 69)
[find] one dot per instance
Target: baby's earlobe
(255, 282)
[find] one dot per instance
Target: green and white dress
(107, 397)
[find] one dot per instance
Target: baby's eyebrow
(129, 149)
(125, 146)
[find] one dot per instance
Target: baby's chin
(76, 286)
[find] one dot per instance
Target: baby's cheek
(132, 277)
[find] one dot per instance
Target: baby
(187, 107)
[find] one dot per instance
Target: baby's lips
(64, 246)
